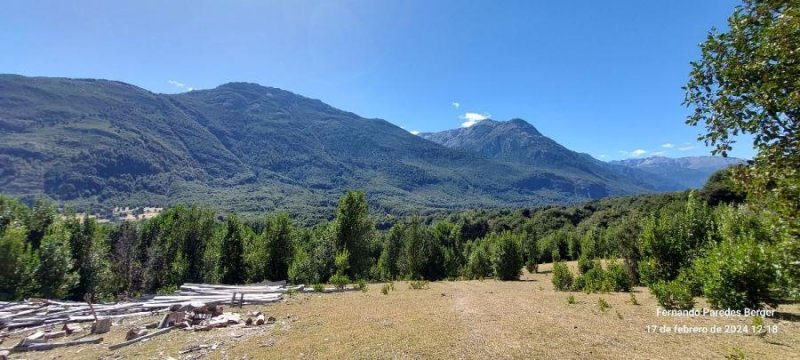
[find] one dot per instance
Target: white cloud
(456, 104)
(414, 132)
(638, 152)
(179, 85)
(686, 147)
(659, 153)
(473, 118)
(668, 146)
(634, 153)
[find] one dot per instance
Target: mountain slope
(247, 148)
(519, 142)
(691, 172)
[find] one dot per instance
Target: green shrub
(737, 354)
(584, 264)
(595, 280)
(339, 281)
(361, 284)
(562, 277)
(647, 272)
(578, 283)
(478, 263)
(673, 295)
(507, 260)
(602, 304)
(618, 277)
(737, 275)
(555, 255)
(418, 284)
(571, 299)
(634, 301)
(319, 288)
(385, 289)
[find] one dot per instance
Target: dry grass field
(462, 319)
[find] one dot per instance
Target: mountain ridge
(248, 148)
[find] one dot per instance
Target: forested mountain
(249, 148)
(517, 141)
(689, 172)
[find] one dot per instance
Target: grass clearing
(459, 319)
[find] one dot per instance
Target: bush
(562, 277)
(571, 299)
(647, 272)
(737, 275)
(507, 260)
(339, 281)
(595, 280)
(478, 264)
(418, 284)
(385, 289)
(603, 304)
(584, 264)
(319, 288)
(361, 284)
(618, 278)
(634, 301)
(673, 295)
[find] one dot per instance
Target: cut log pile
(36, 313)
(193, 307)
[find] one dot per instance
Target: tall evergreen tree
(17, 262)
(353, 230)
(279, 243)
(232, 265)
(54, 273)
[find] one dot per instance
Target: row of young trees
(678, 244)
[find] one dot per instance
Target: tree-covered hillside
(97, 144)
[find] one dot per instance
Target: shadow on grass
(786, 316)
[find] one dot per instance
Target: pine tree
(232, 265)
(353, 229)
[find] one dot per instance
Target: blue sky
(601, 77)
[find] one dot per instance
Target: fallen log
(129, 342)
(50, 346)
(12, 326)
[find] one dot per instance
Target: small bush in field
(633, 300)
(595, 280)
(391, 285)
(618, 278)
(571, 299)
(602, 304)
(647, 272)
(584, 264)
(737, 354)
(319, 288)
(673, 295)
(758, 326)
(562, 277)
(385, 289)
(361, 284)
(339, 281)
(418, 284)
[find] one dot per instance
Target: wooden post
(88, 299)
